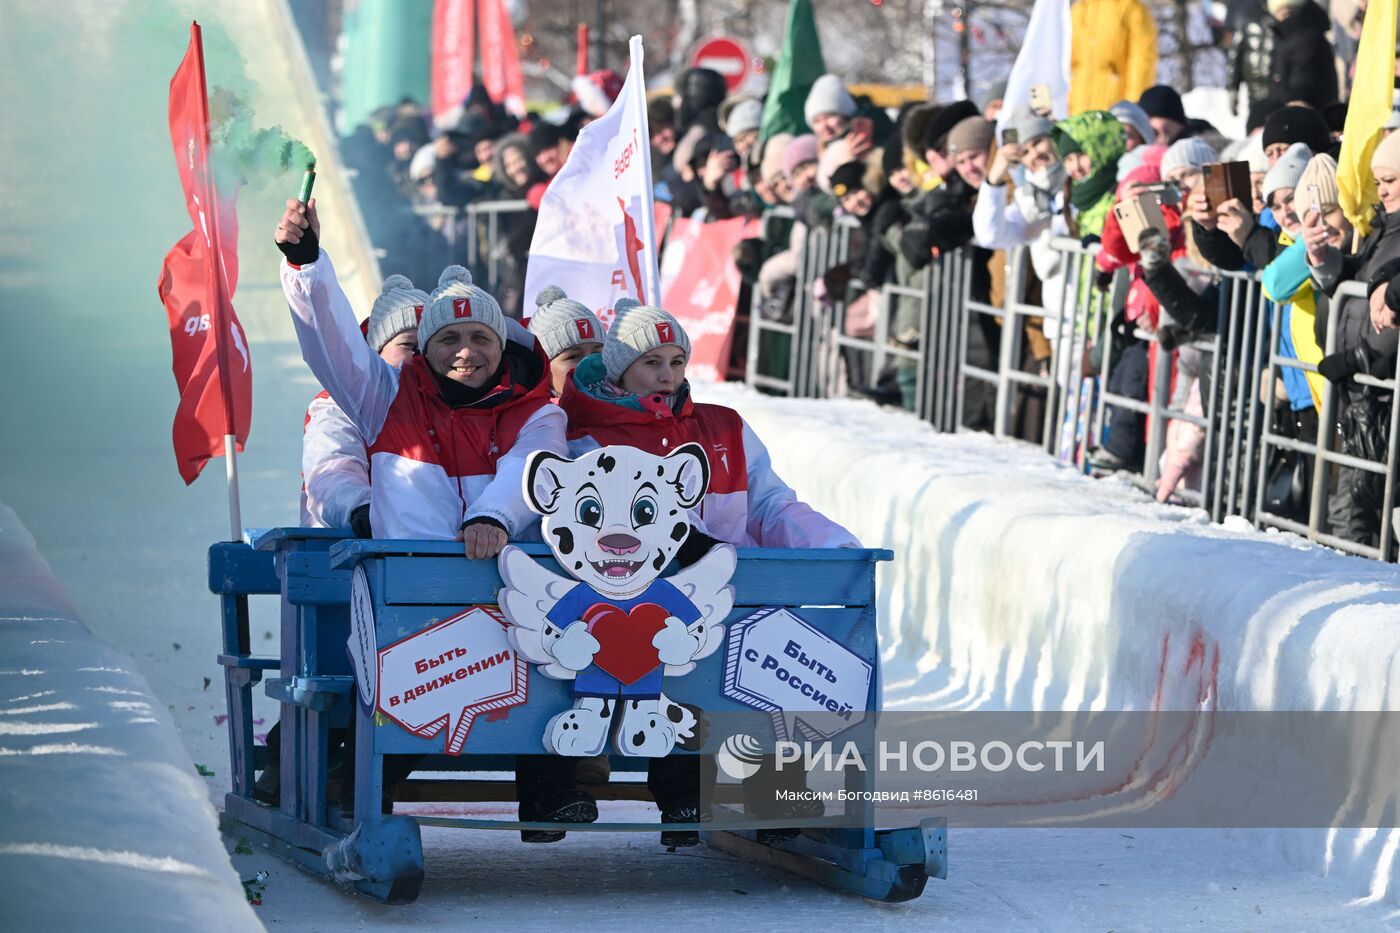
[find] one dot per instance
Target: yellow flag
(1369, 109)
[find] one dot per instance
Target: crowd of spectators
(964, 177)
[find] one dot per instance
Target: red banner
(209, 349)
(500, 60)
(453, 52)
(700, 286)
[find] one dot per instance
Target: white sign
(361, 644)
(811, 683)
(439, 679)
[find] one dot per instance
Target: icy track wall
(1019, 584)
(104, 824)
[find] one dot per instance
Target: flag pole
(219, 319)
(648, 217)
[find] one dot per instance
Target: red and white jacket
(748, 505)
(334, 466)
(433, 466)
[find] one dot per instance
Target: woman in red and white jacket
(635, 393)
(449, 431)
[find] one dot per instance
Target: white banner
(596, 233)
(1043, 59)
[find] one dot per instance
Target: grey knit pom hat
(457, 301)
(559, 322)
(397, 309)
(636, 330)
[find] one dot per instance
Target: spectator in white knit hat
(1184, 160)
(566, 330)
(740, 118)
(1281, 183)
(829, 108)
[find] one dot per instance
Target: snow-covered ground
(1016, 584)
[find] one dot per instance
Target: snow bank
(1020, 584)
(104, 823)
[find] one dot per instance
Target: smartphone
(1226, 181)
(1041, 101)
(1010, 136)
(863, 126)
(1164, 192)
(1138, 215)
(1315, 199)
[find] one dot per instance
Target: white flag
(1043, 59)
(596, 233)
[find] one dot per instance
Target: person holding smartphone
(1366, 341)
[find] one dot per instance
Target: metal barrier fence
(808, 352)
(1238, 366)
(474, 235)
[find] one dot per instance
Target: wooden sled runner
(414, 585)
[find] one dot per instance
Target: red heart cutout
(624, 639)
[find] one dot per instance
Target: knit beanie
(828, 95)
(1186, 152)
(639, 329)
(457, 301)
(1297, 125)
(396, 310)
(973, 134)
(800, 151)
(941, 124)
(913, 124)
(1287, 170)
(848, 178)
(773, 152)
(1029, 125)
(1387, 154)
(559, 322)
(1321, 174)
(743, 115)
(1131, 115)
(1161, 100)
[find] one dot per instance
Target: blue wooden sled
(416, 583)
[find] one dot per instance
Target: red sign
(454, 44)
(726, 56)
(700, 286)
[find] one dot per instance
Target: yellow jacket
(1113, 55)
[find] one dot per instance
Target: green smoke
(245, 154)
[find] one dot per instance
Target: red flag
(452, 53)
(209, 348)
(700, 286)
(500, 61)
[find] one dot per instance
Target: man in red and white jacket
(448, 433)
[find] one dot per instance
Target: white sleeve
(777, 518)
(362, 384)
(334, 465)
(503, 499)
(996, 224)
